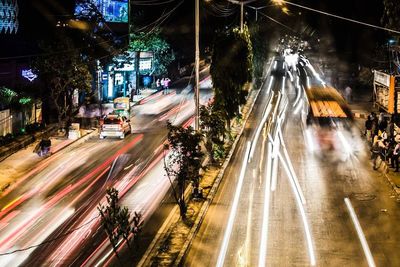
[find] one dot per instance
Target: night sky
(351, 41)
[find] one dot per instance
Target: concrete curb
(384, 169)
(78, 141)
(200, 217)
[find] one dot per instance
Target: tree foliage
(64, 73)
(212, 127)
(231, 69)
(153, 42)
(390, 17)
(184, 162)
(109, 217)
(260, 51)
(116, 220)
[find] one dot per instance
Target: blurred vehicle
(114, 125)
(329, 122)
(43, 147)
(122, 106)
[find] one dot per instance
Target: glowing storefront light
(28, 74)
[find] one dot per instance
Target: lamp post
(197, 65)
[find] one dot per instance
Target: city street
(50, 215)
(324, 182)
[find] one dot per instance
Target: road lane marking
(360, 233)
(232, 214)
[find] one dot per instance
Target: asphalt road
(50, 218)
(298, 226)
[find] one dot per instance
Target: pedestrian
(348, 93)
(382, 122)
(390, 129)
(395, 157)
(368, 129)
(158, 84)
(378, 150)
(162, 82)
(167, 81)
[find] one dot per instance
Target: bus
(328, 121)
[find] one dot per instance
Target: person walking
(395, 157)
(382, 122)
(167, 82)
(378, 150)
(348, 94)
(162, 82)
(368, 129)
(158, 84)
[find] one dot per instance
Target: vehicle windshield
(112, 121)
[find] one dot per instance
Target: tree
(152, 42)
(109, 215)
(231, 69)
(212, 127)
(64, 73)
(260, 51)
(184, 162)
(390, 17)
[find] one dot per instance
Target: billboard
(9, 16)
(112, 10)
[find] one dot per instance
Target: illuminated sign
(9, 16)
(28, 74)
(112, 10)
(145, 64)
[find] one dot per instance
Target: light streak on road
(270, 84)
(283, 85)
(308, 82)
(310, 141)
(298, 108)
(265, 221)
(260, 127)
(232, 214)
(291, 169)
(275, 64)
(302, 213)
(275, 153)
(361, 236)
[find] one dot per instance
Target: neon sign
(29, 75)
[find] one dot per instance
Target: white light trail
(265, 220)
(302, 213)
(260, 126)
(283, 85)
(232, 214)
(360, 233)
(275, 64)
(310, 142)
(298, 108)
(293, 176)
(270, 84)
(275, 152)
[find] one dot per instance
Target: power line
(341, 17)
(278, 22)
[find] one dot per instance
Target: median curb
(78, 141)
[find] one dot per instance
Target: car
(115, 126)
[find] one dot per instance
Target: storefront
(387, 92)
(119, 80)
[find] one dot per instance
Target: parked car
(115, 126)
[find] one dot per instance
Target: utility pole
(241, 16)
(197, 65)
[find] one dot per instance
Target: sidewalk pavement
(360, 110)
(25, 160)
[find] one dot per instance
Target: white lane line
(232, 214)
(265, 220)
(360, 233)
(302, 213)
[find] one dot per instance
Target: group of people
(163, 84)
(383, 136)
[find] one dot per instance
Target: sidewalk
(25, 160)
(360, 110)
